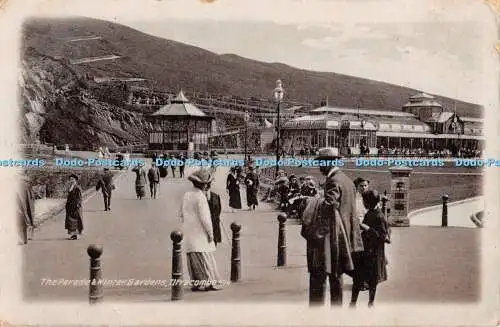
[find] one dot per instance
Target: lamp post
(278, 96)
(247, 118)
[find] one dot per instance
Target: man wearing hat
(154, 179)
(340, 237)
(73, 223)
(198, 233)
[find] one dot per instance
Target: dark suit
(339, 193)
(106, 185)
(154, 180)
(215, 210)
(73, 222)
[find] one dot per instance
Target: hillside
(171, 65)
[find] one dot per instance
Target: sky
(442, 47)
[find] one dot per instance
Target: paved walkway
(458, 214)
(425, 262)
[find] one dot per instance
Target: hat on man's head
(201, 176)
(311, 184)
(328, 154)
(74, 176)
(360, 180)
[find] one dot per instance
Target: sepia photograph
(223, 153)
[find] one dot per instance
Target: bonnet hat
(201, 176)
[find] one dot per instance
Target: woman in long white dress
(198, 234)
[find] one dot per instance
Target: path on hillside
(93, 59)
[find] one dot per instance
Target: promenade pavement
(457, 214)
(425, 263)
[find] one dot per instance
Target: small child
(371, 267)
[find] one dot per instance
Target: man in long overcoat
(74, 222)
(339, 232)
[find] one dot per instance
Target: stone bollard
(235, 253)
(282, 240)
(444, 216)
(176, 282)
(95, 286)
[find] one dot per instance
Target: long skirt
(73, 223)
(235, 198)
(140, 190)
(203, 270)
(252, 196)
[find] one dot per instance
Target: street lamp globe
(278, 91)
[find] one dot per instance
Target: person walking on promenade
(252, 183)
(198, 233)
(154, 180)
(371, 268)
(106, 185)
(233, 188)
(162, 168)
(215, 211)
(181, 165)
(332, 232)
(26, 210)
(172, 166)
(74, 220)
(140, 181)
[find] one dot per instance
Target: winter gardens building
(423, 126)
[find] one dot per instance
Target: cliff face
(59, 107)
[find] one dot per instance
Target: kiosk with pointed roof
(179, 126)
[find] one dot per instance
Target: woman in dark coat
(370, 266)
(233, 188)
(73, 223)
(252, 183)
(215, 210)
(140, 181)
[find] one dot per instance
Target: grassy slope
(172, 65)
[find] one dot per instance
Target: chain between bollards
(282, 240)
(444, 215)
(95, 287)
(177, 284)
(235, 253)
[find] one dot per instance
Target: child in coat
(371, 264)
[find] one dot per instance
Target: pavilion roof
(180, 106)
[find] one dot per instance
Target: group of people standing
(344, 236)
(250, 179)
(165, 157)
